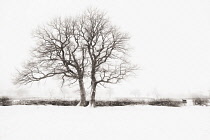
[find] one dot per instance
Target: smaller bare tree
(107, 50)
(58, 53)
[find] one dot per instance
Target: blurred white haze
(170, 41)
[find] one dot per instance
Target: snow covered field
(104, 123)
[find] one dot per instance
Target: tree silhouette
(58, 53)
(107, 50)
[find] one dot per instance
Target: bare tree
(71, 49)
(107, 50)
(59, 53)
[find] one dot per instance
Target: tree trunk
(82, 94)
(92, 102)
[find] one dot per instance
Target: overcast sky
(170, 41)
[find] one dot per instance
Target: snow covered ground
(104, 123)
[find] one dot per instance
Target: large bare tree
(59, 52)
(107, 50)
(87, 45)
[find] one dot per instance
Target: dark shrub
(5, 101)
(48, 102)
(64, 103)
(165, 102)
(119, 103)
(200, 101)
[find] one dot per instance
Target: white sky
(170, 40)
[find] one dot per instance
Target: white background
(170, 41)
